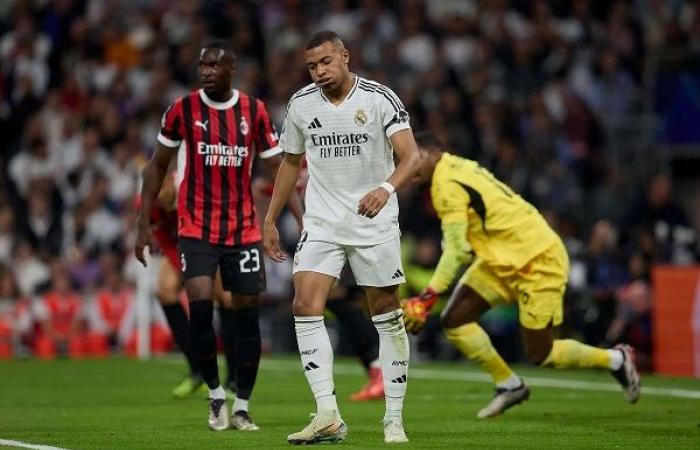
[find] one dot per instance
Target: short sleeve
(292, 138)
(393, 114)
(266, 139)
(170, 126)
(450, 202)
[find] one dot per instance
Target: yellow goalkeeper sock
(475, 344)
(567, 353)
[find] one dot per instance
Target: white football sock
(616, 358)
(219, 392)
(317, 360)
(393, 356)
(240, 404)
(512, 382)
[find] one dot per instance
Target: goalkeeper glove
(416, 310)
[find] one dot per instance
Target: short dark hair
(321, 37)
(221, 44)
(428, 140)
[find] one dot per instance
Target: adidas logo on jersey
(315, 124)
(397, 274)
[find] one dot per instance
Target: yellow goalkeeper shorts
(538, 287)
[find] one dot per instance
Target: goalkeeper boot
(326, 426)
(394, 432)
(241, 420)
(504, 399)
(627, 374)
(188, 386)
(373, 390)
(218, 416)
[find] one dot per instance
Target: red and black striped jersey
(215, 202)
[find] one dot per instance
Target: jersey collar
(219, 105)
(347, 96)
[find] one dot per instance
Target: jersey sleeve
(266, 139)
(170, 126)
(292, 139)
(394, 116)
(451, 202)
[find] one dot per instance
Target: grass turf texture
(121, 403)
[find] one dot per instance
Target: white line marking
(433, 374)
(479, 377)
(11, 443)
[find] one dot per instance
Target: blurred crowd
(532, 89)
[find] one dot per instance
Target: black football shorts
(242, 266)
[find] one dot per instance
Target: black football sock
(228, 335)
(203, 341)
(247, 327)
(180, 329)
(356, 323)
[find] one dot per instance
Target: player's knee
(450, 319)
(167, 293)
(537, 354)
(306, 306)
(239, 302)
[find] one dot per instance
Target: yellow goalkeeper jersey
(503, 229)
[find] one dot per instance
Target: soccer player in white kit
(349, 128)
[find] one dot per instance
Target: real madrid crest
(244, 126)
(360, 117)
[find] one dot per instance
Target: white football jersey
(348, 154)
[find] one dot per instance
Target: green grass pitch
(125, 404)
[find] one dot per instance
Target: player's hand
(373, 202)
(271, 242)
(144, 238)
(416, 310)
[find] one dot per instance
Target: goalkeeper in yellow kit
(513, 256)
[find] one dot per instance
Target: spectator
(60, 318)
(15, 316)
(659, 215)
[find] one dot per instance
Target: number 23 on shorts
(249, 260)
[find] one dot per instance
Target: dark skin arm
(272, 166)
(153, 176)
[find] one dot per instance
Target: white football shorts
(376, 265)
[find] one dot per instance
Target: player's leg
(199, 263)
(353, 319)
(224, 302)
(167, 293)
(317, 266)
(542, 289)
(378, 269)
(242, 279)
(240, 329)
(475, 293)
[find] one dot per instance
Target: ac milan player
(217, 225)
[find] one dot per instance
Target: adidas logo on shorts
(397, 274)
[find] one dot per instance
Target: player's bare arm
(272, 166)
(153, 177)
(285, 182)
(409, 160)
(167, 197)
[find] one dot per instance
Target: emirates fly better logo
(222, 155)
